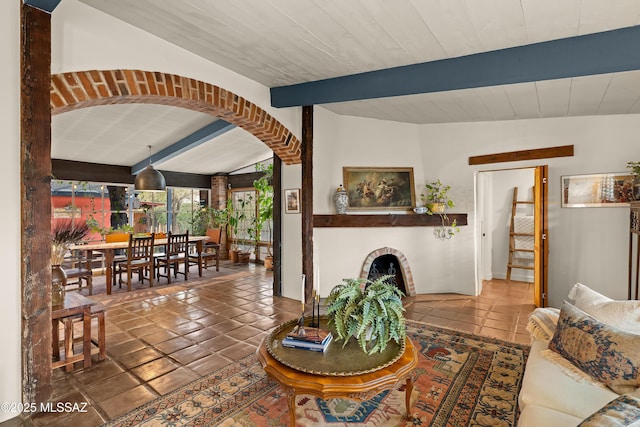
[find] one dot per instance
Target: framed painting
(379, 188)
(597, 190)
(292, 200)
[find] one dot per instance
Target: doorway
(494, 209)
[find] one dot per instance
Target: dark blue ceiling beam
(606, 52)
(197, 138)
(45, 5)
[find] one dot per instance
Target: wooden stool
(97, 312)
(69, 357)
(75, 306)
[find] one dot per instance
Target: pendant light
(150, 179)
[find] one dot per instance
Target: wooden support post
(35, 171)
(277, 225)
(307, 198)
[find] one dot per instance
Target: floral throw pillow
(608, 354)
(623, 411)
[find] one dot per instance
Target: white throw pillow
(542, 323)
(621, 314)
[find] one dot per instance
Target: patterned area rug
(462, 380)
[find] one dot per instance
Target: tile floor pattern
(158, 344)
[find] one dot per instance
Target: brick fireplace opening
(385, 261)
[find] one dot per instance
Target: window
(106, 207)
(82, 201)
(243, 223)
(150, 212)
(242, 216)
(183, 204)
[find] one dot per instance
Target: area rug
(461, 380)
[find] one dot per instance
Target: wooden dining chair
(210, 251)
(160, 250)
(120, 254)
(78, 269)
(139, 259)
(176, 253)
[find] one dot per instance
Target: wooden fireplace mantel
(387, 220)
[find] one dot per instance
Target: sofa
(583, 368)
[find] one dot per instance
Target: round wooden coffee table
(355, 387)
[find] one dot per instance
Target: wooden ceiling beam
(515, 156)
(585, 55)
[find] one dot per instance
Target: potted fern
(369, 311)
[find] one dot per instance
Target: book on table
(309, 341)
(313, 335)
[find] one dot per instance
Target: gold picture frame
(597, 190)
(379, 188)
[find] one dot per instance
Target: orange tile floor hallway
(161, 339)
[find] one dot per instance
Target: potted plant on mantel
(369, 311)
(437, 201)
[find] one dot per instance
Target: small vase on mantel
(58, 281)
(341, 200)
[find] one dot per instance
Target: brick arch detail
(80, 89)
(404, 266)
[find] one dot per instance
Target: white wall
(353, 141)
(350, 141)
(10, 301)
(587, 245)
(291, 238)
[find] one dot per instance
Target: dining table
(109, 250)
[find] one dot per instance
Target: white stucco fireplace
(402, 268)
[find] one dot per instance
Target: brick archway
(80, 89)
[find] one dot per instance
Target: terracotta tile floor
(164, 341)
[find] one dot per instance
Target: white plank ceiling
(284, 42)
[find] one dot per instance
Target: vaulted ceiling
(478, 61)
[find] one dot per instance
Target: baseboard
(515, 277)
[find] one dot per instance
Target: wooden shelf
(390, 220)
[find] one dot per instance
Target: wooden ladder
(511, 263)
